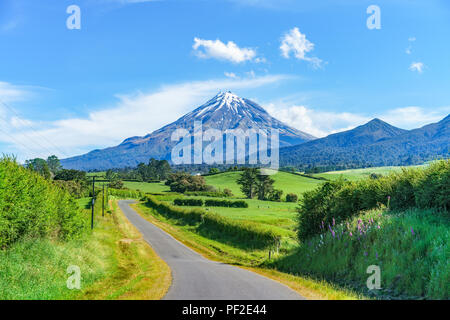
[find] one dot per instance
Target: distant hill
(222, 112)
(375, 143)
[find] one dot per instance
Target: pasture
(358, 174)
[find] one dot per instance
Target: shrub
(291, 197)
(31, 206)
(226, 203)
(126, 193)
(182, 182)
(216, 194)
(227, 192)
(275, 195)
(116, 184)
(340, 200)
(188, 202)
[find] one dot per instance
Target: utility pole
(93, 202)
(103, 200)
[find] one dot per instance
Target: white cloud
(218, 50)
(230, 75)
(294, 41)
(417, 66)
(317, 123)
(134, 114)
(10, 92)
(322, 123)
(409, 49)
(413, 116)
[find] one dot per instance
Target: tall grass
(31, 206)
(410, 247)
(341, 200)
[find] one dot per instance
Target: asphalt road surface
(197, 278)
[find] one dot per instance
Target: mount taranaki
(222, 112)
(375, 143)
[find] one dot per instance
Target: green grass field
(279, 215)
(289, 183)
(146, 187)
(358, 174)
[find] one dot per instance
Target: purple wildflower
(334, 222)
(350, 234)
(412, 231)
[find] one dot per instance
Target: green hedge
(341, 200)
(188, 202)
(217, 194)
(252, 234)
(226, 203)
(31, 206)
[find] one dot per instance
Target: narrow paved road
(197, 278)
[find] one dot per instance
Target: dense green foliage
(291, 197)
(32, 206)
(244, 234)
(340, 200)
(182, 182)
(70, 175)
(188, 202)
(411, 248)
(253, 182)
(226, 203)
(217, 194)
(126, 193)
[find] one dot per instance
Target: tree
(40, 166)
(111, 175)
(163, 169)
(182, 182)
(248, 182)
(291, 197)
(214, 170)
(70, 175)
(54, 164)
(275, 195)
(264, 186)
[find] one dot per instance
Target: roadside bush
(226, 203)
(188, 202)
(126, 193)
(31, 206)
(410, 246)
(227, 192)
(291, 197)
(341, 200)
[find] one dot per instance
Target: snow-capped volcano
(224, 111)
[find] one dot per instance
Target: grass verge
(115, 263)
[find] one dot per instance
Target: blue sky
(136, 65)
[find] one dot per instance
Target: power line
(34, 130)
(19, 142)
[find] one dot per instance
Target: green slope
(288, 182)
